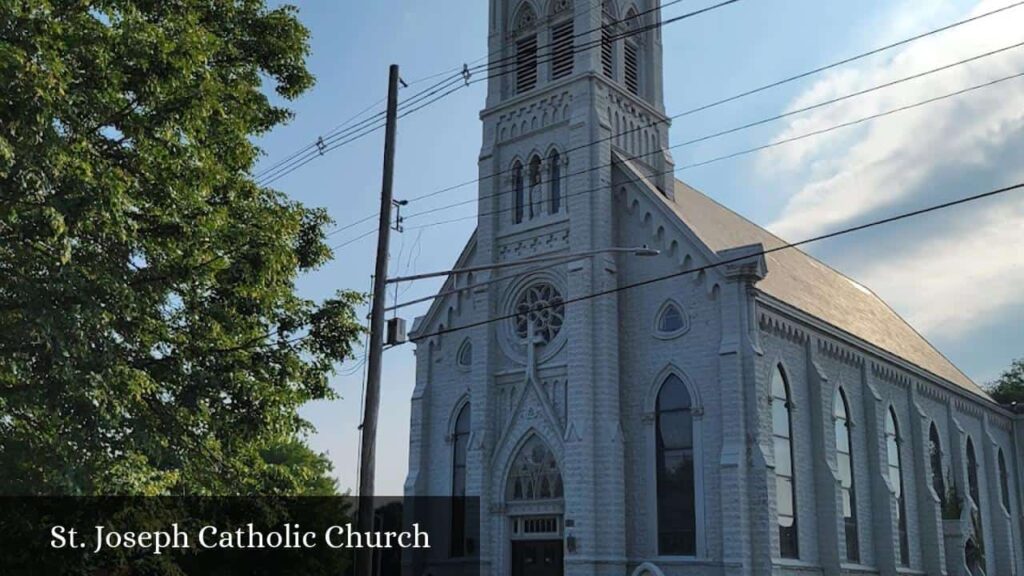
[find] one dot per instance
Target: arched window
(518, 192)
(631, 54)
(893, 442)
(671, 320)
(607, 39)
(535, 193)
(534, 474)
(785, 486)
(844, 460)
(562, 37)
(465, 356)
(1004, 482)
(677, 511)
(526, 48)
(935, 459)
(555, 169)
(460, 450)
(972, 473)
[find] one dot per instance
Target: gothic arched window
(555, 170)
(972, 473)
(526, 48)
(562, 37)
(608, 39)
(785, 486)
(460, 450)
(631, 54)
(465, 356)
(677, 503)
(671, 321)
(844, 461)
(895, 465)
(935, 460)
(534, 474)
(1004, 482)
(535, 199)
(518, 193)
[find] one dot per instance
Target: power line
(457, 83)
(323, 145)
(757, 148)
(739, 128)
(750, 92)
(728, 261)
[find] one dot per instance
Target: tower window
(562, 53)
(526, 64)
(535, 199)
(630, 66)
(518, 192)
(607, 50)
(555, 165)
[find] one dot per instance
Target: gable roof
(805, 283)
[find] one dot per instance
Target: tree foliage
(1008, 389)
(151, 338)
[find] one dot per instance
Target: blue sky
(956, 276)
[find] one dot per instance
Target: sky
(955, 275)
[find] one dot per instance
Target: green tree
(151, 338)
(300, 467)
(1008, 389)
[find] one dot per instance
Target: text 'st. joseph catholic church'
(765, 415)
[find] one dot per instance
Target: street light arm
(643, 251)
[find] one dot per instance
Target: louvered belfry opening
(526, 64)
(562, 49)
(606, 50)
(630, 67)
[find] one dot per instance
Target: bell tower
(574, 87)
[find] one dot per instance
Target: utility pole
(367, 459)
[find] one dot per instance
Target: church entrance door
(537, 558)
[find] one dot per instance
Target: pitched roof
(805, 283)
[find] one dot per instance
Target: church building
(753, 413)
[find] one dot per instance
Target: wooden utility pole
(367, 459)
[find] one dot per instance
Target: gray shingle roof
(809, 285)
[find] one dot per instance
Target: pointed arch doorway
(534, 504)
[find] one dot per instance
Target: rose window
(542, 306)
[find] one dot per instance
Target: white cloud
(853, 175)
(951, 283)
(852, 172)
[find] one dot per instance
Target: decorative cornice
(839, 352)
(890, 374)
(778, 326)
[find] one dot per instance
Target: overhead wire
(739, 128)
(733, 260)
(754, 149)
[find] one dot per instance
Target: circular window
(542, 306)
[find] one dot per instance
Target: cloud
(954, 281)
(853, 172)
(939, 151)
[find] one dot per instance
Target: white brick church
(765, 416)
